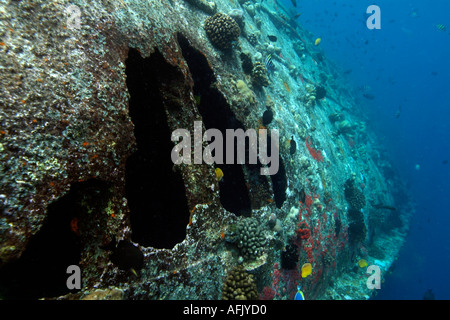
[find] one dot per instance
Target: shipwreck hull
(85, 131)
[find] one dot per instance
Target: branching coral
(354, 196)
(222, 30)
(239, 285)
(259, 75)
(357, 229)
(249, 238)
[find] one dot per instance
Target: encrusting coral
(345, 127)
(310, 97)
(245, 93)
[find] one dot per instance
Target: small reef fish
(294, 3)
(306, 269)
(299, 295)
(267, 117)
(368, 96)
(297, 16)
(362, 263)
(441, 27)
(219, 174)
(317, 42)
(293, 146)
(272, 38)
(269, 63)
(383, 206)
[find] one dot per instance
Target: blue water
(405, 63)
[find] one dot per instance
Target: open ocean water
(405, 69)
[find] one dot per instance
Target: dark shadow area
(41, 270)
(155, 193)
(279, 185)
(279, 180)
(216, 114)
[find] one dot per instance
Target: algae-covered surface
(92, 92)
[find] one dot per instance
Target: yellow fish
(219, 174)
(317, 41)
(362, 263)
(306, 269)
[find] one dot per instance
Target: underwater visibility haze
(404, 65)
(136, 139)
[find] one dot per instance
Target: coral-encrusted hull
(85, 141)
